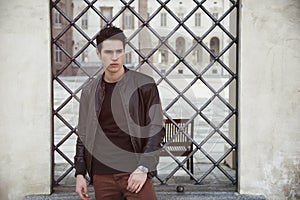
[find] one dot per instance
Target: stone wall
(269, 98)
(25, 108)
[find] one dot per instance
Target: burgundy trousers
(113, 187)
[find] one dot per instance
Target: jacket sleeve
(156, 130)
(79, 159)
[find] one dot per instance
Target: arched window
(214, 46)
(58, 54)
(163, 53)
(180, 46)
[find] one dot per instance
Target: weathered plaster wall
(269, 159)
(25, 103)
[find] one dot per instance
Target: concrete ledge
(163, 196)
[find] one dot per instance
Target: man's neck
(114, 77)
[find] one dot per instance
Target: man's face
(112, 55)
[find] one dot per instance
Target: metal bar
(62, 141)
(238, 5)
(63, 176)
(52, 172)
(64, 156)
(71, 59)
(223, 17)
(222, 169)
(64, 121)
(63, 85)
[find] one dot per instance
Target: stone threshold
(161, 196)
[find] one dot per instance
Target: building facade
(163, 23)
(63, 47)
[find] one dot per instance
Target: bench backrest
(180, 144)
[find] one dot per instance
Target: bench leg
(192, 165)
(188, 164)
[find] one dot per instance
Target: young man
(120, 127)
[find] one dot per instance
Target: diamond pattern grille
(71, 73)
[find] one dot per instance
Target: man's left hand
(136, 181)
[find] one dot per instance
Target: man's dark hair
(112, 33)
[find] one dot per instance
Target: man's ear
(98, 53)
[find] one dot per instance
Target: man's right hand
(81, 188)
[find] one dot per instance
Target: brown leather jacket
(138, 94)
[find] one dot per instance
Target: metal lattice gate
(189, 48)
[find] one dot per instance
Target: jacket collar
(100, 88)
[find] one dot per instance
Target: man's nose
(115, 56)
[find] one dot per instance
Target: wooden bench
(180, 145)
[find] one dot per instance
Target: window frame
(198, 19)
(58, 54)
(57, 19)
(163, 19)
(84, 21)
(128, 20)
(103, 9)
